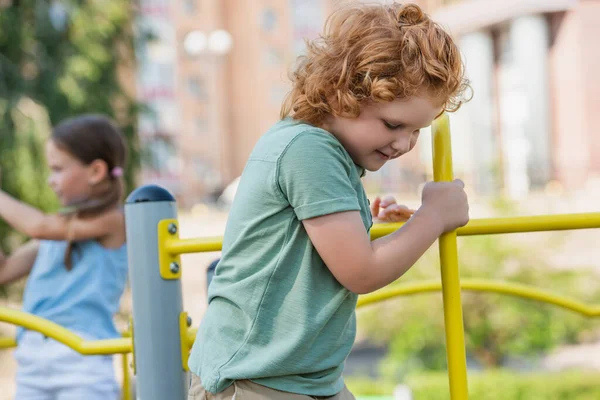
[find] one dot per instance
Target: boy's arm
(35, 224)
(363, 266)
(19, 263)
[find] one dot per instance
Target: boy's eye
(392, 126)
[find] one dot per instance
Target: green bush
(52, 69)
(369, 387)
(497, 326)
(493, 385)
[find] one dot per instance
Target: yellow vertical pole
(453, 319)
(126, 394)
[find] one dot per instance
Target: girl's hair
(89, 138)
(375, 53)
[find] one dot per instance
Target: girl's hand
(387, 210)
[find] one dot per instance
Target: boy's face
(384, 131)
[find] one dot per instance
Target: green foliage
(496, 326)
(57, 63)
(492, 385)
(361, 386)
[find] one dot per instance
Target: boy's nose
(401, 145)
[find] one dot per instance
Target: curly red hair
(375, 53)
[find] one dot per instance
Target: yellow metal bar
(126, 389)
(63, 335)
(531, 224)
(192, 336)
(483, 226)
(7, 342)
(453, 319)
(488, 226)
(130, 332)
(169, 263)
(482, 285)
(195, 245)
(184, 340)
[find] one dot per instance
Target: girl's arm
(34, 223)
(19, 263)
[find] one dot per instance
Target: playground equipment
(160, 335)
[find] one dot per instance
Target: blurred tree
(58, 59)
(497, 327)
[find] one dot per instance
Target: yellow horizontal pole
(488, 226)
(480, 285)
(63, 335)
(537, 223)
(195, 245)
(483, 285)
(482, 226)
(7, 342)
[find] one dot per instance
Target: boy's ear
(97, 171)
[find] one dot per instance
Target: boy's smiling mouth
(383, 155)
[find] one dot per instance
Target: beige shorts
(247, 390)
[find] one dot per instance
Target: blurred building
(214, 73)
(157, 87)
(532, 64)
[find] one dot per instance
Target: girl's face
(70, 179)
(384, 131)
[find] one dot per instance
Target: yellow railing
(63, 335)
(87, 347)
(477, 285)
(124, 345)
(483, 285)
(450, 284)
(32, 322)
(481, 226)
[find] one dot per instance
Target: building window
(277, 93)
(268, 19)
(201, 126)
(158, 8)
(273, 56)
(206, 172)
(189, 6)
(197, 88)
(160, 155)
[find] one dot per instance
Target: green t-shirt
(276, 314)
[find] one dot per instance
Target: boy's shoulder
(289, 135)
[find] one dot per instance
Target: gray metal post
(157, 303)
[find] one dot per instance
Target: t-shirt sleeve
(314, 176)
